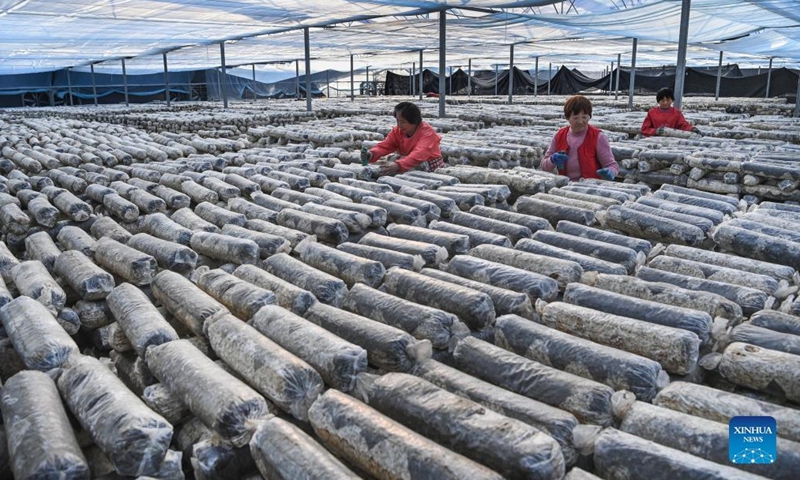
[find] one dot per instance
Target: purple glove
(606, 174)
(559, 159)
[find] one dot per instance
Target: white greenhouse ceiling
(46, 35)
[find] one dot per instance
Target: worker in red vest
(580, 150)
(665, 116)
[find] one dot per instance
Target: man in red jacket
(580, 150)
(665, 116)
(416, 142)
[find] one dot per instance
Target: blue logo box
(752, 440)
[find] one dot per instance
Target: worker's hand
(606, 174)
(366, 156)
(697, 131)
(559, 159)
(389, 169)
(660, 131)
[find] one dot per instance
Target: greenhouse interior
(400, 240)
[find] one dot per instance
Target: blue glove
(606, 174)
(559, 159)
(366, 156)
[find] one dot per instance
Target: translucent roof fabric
(45, 35)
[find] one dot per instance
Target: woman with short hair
(665, 116)
(416, 142)
(580, 150)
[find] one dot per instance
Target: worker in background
(415, 141)
(580, 150)
(665, 116)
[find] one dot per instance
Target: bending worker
(665, 116)
(580, 150)
(416, 142)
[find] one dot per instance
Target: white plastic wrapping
(187, 218)
(33, 280)
(74, 238)
(287, 295)
(388, 258)
(325, 228)
(130, 264)
(563, 271)
(138, 318)
(107, 227)
(163, 227)
(350, 268)
(186, 302)
(325, 287)
(40, 246)
(225, 248)
(242, 298)
(170, 255)
(537, 286)
(268, 244)
(90, 281)
(36, 335)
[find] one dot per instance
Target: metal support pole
(308, 69)
(420, 76)
(610, 79)
(632, 84)
(495, 79)
(683, 38)
(368, 84)
(69, 84)
(297, 78)
(413, 79)
(769, 77)
(352, 81)
(328, 82)
(255, 95)
(719, 77)
(94, 85)
(511, 74)
(442, 60)
(549, 76)
(166, 79)
(125, 81)
(469, 78)
(797, 99)
(619, 64)
(451, 81)
(536, 77)
(223, 75)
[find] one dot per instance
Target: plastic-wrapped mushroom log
(557, 423)
(750, 299)
(325, 287)
(618, 369)
(668, 294)
(144, 201)
(676, 350)
(554, 211)
(510, 447)
(186, 302)
(295, 197)
(70, 205)
(563, 271)
(463, 200)
(5, 295)
(7, 262)
(454, 243)
(90, 281)
(161, 226)
(287, 295)
(384, 448)
(162, 401)
(397, 212)
(757, 245)
(429, 210)
(653, 312)
(337, 360)
(187, 218)
(43, 212)
(293, 236)
(354, 221)
(190, 375)
(225, 247)
(446, 205)
(33, 280)
(267, 244)
(242, 298)
(121, 208)
(74, 238)
(535, 285)
(652, 227)
(388, 348)
(41, 443)
(588, 400)
(14, 218)
(778, 271)
(107, 227)
(273, 203)
(698, 436)
(431, 253)
(170, 255)
(134, 437)
(473, 307)
(533, 223)
(604, 252)
(251, 211)
(138, 318)
(715, 216)
(721, 406)
(40, 246)
(776, 321)
(129, 263)
(511, 230)
(245, 186)
(616, 454)
(691, 268)
(388, 258)
(219, 216)
(476, 237)
(284, 452)
(281, 377)
(505, 301)
(350, 268)
(761, 369)
(326, 229)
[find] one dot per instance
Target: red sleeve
(427, 148)
(388, 145)
(681, 123)
(648, 129)
(605, 156)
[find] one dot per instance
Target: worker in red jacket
(416, 142)
(665, 116)
(580, 150)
